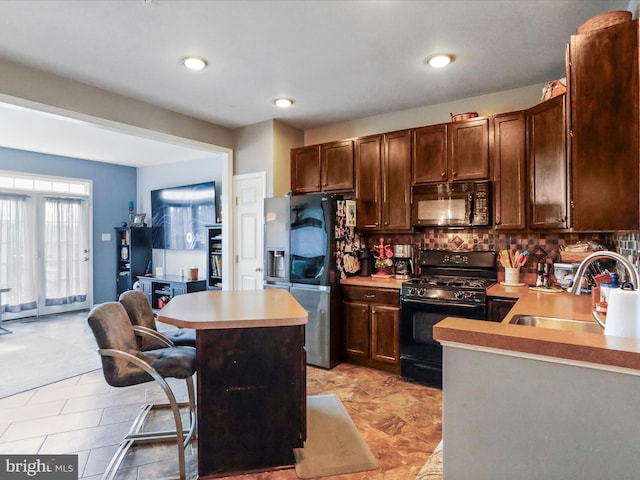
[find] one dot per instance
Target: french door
(44, 253)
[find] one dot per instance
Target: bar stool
(124, 364)
(141, 315)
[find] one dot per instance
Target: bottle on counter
(540, 274)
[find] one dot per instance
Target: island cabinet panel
(337, 166)
(508, 155)
(305, 169)
(383, 182)
(548, 165)
(371, 324)
(429, 159)
(468, 149)
(255, 395)
(604, 123)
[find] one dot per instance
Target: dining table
(251, 377)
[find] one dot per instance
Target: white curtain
(17, 253)
(65, 251)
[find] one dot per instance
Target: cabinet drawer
(371, 295)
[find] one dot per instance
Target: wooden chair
(124, 364)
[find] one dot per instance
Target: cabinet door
(510, 179)
(499, 307)
(337, 166)
(368, 163)
(468, 149)
(548, 165)
(396, 176)
(356, 322)
(429, 162)
(385, 339)
(604, 93)
(305, 169)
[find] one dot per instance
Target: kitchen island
(523, 402)
(251, 377)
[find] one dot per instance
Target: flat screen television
(179, 216)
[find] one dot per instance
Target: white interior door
(249, 230)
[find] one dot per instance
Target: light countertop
(574, 346)
(219, 309)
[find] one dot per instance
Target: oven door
(420, 353)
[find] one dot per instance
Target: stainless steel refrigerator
(313, 276)
(276, 243)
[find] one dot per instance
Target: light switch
(106, 237)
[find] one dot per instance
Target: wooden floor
(400, 421)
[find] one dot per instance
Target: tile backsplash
(542, 247)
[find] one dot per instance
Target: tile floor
(400, 421)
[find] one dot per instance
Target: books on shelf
(216, 265)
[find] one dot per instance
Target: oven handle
(418, 303)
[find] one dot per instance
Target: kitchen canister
(623, 313)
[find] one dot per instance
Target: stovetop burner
(445, 281)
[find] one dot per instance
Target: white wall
(500, 102)
(172, 175)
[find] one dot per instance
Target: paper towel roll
(623, 313)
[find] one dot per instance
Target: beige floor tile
(71, 390)
(31, 411)
(73, 422)
(87, 438)
(29, 446)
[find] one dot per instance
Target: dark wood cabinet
(336, 170)
(371, 327)
(604, 123)
(548, 168)
(305, 169)
(133, 256)
(429, 159)
(508, 159)
(498, 308)
(368, 163)
(396, 181)
(383, 182)
(322, 168)
(468, 149)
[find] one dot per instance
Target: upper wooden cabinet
(548, 179)
(429, 159)
(468, 149)
(508, 158)
(383, 182)
(322, 168)
(604, 124)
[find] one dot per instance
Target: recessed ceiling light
(283, 102)
(194, 63)
(439, 61)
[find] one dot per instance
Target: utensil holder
(512, 275)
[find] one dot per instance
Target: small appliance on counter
(403, 261)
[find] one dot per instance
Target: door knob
(258, 269)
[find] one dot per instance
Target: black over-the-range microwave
(451, 205)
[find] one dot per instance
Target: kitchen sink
(557, 323)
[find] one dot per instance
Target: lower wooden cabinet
(498, 307)
(371, 327)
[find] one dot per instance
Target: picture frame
(137, 219)
(351, 213)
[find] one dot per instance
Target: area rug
(44, 350)
(432, 470)
(334, 445)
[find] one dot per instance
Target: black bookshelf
(133, 256)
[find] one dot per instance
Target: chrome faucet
(632, 275)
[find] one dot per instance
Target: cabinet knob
(370, 295)
(443, 174)
(454, 173)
